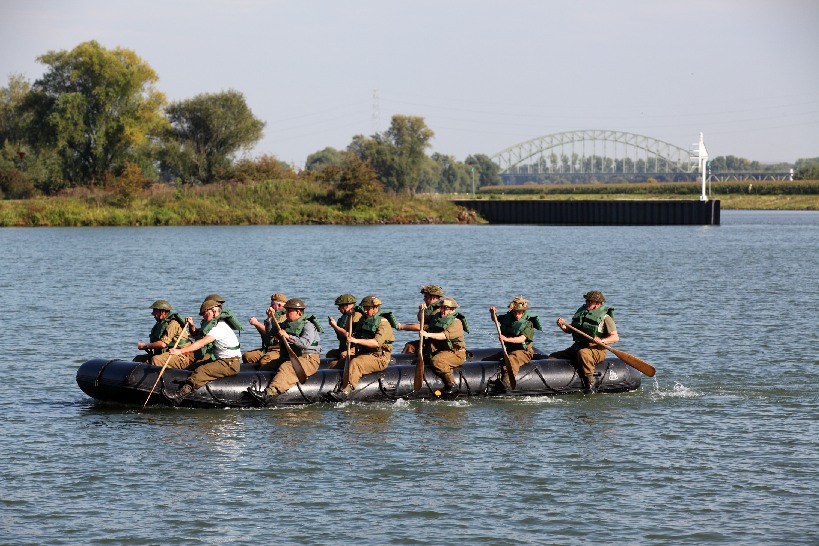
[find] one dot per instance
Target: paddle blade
(634, 362)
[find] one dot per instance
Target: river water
(722, 446)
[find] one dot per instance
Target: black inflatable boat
(128, 382)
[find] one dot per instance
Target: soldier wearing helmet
(350, 314)
(446, 349)
(168, 328)
(517, 328)
(596, 320)
(431, 306)
(217, 351)
(372, 341)
(301, 331)
(270, 349)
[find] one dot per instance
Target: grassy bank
(256, 203)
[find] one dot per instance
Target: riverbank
(301, 202)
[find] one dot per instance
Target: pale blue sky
(484, 75)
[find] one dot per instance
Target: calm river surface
(722, 446)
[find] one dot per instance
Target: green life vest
(225, 316)
(514, 328)
(589, 322)
(296, 327)
(439, 324)
(367, 327)
(344, 323)
(159, 330)
(269, 338)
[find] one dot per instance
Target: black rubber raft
(129, 383)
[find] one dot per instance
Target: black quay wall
(599, 213)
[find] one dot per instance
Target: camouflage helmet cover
(449, 303)
(278, 297)
(595, 296)
(345, 299)
(519, 304)
(161, 304)
(432, 290)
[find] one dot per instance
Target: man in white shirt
(219, 341)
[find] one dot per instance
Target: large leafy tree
(96, 108)
(486, 170)
(398, 155)
(207, 131)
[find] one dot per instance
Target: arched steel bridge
(595, 155)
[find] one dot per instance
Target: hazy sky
(485, 75)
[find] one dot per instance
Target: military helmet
(450, 303)
(278, 297)
(344, 299)
(207, 304)
(594, 295)
(215, 297)
(295, 303)
(432, 290)
(519, 304)
(370, 301)
(161, 304)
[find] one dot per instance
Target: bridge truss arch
(595, 155)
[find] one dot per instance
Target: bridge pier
(596, 212)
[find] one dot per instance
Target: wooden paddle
(345, 375)
(631, 360)
(506, 364)
(419, 363)
(294, 360)
(178, 338)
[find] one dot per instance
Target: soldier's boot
(591, 386)
(177, 397)
(342, 395)
(450, 392)
(263, 398)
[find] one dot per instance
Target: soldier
(168, 330)
(346, 304)
(433, 296)
(447, 348)
(596, 320)
(219, 349)
(270, 349)
(302, 334)
(517, 328)
(372, 338)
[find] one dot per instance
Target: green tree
(487, 172)
(806, 169)
(323, 158)
(206, 131)
(96, 108)
(398, 155)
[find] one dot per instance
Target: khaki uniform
(270, 352)
(305, 343)
(367, 360)
(223, 367)
(285, 373)
(169, 338)
(587, 358)
(445, 360)
(517, 358)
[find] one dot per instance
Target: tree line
(97, 119)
